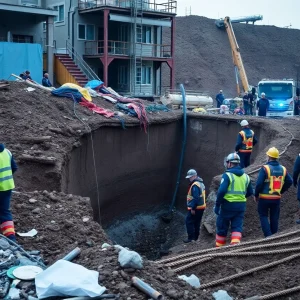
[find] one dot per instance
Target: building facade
(22, 21)
(120, 40)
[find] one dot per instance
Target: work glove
(217, 209)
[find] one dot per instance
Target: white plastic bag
(130, 259)
(193, 280)
(221, 295)
(65, 278)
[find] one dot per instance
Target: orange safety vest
(190, 197)
(273, 183)
(247, 142)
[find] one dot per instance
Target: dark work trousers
(227, 218)
(245, 159)
(5, 214)
(250, 110)
(269, 211)
(193, 223)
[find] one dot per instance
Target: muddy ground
(65, 221)
(203, 60)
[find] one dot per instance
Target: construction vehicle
(281, 94)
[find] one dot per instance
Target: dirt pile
(64, 222)
(203, 57)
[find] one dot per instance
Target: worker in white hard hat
(195, 204)
(272, 181)
(231, 200)
(245, 141)
(263, 105)
(220, 98)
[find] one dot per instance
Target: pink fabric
(97, 109)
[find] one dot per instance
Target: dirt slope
(204, 61)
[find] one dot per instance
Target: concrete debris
(193, 280)
(130, 259)
(221, 295)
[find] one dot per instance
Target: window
(144, 75)
(86, 32)
(61, 13)
(18, 38)
(144, 34)
(44, 26)
(30, 2)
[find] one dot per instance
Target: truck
(281, 95)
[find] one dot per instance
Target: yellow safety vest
(6, 176)
(190, 197)
(237, 188)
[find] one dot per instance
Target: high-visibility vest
(273, 183)
(247, 137)
(189, 197)
(237, 188)
(6, 176)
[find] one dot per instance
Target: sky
(281, 13)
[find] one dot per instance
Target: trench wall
(137, 172)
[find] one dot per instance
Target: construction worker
(195, 205)
(263, 105)
(245, 141)
(46, 81)
(246, 103)
(220, 98)
(231, 201)
(273, 180)
(296, 179)
(7, 168)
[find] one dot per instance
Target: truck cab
(280, 94)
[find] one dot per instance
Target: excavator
(236, 54)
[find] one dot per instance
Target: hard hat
(191, 173)
(263, 94)
(221, 91)
(244, 123)
(273, 152)
(234, 158)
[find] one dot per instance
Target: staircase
(73, 69)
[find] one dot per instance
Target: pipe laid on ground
(263, 240)
(73, 254)
(276, 294)
(146, 288)
(263, 267)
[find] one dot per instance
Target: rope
(235, 276)
(292, 242)
(263, 240)
(93, 153)
(276, 294)
(235, 254)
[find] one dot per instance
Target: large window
(144, 75)
(61, 13)
(144, 34)
(276, 90)
(86, 32)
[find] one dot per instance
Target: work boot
(187, 241)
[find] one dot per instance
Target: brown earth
(203, 60)
(58, 218)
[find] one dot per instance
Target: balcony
(154, 6)
(118, 48)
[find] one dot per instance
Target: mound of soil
(203, 60)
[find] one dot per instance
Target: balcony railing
(95, 48)
(162, 6)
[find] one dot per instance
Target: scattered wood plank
(39, 159)
(37, 140)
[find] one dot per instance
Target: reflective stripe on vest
(190, 197)
(273, 183)
(247, 141)
(237, 188)
(6, 176)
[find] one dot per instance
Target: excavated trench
(136, 176)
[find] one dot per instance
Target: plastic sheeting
(81, 90)
(18, 57)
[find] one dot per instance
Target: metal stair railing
(81, 63)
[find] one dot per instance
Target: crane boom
(237, 58)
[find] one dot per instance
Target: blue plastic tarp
(15, 58)
(93, 84)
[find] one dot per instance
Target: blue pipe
(182, 90)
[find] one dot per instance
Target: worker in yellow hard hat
(273, 180)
